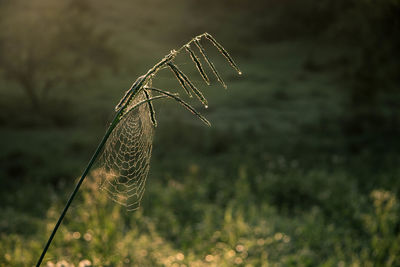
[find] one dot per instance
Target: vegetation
(42, 51)
(299, 168)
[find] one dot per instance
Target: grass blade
(123, 107)
(151, 108)
(199, 95)
(123, 99)
(197, 62)
(183, 103)
(203, 52)
(180, 79)
(147, 101)
(223, 52)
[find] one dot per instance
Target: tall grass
(127, 142)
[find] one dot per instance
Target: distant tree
(51, 45)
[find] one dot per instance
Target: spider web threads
(125, 161)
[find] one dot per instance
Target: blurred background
(299, 168)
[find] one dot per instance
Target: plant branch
(78, 185)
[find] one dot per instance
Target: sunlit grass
(268, 185)
(196, 228)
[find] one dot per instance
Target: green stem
(121, 106)
(71, 198)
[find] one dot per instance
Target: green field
(278, 180)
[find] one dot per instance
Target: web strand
(125, 161)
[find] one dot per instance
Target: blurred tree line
(370, 32)
(55, 47)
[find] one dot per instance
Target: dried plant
(125, 149)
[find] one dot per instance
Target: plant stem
(71, 198)
(121, 109)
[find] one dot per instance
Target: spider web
(125, 160)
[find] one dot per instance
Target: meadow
(280, 178)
